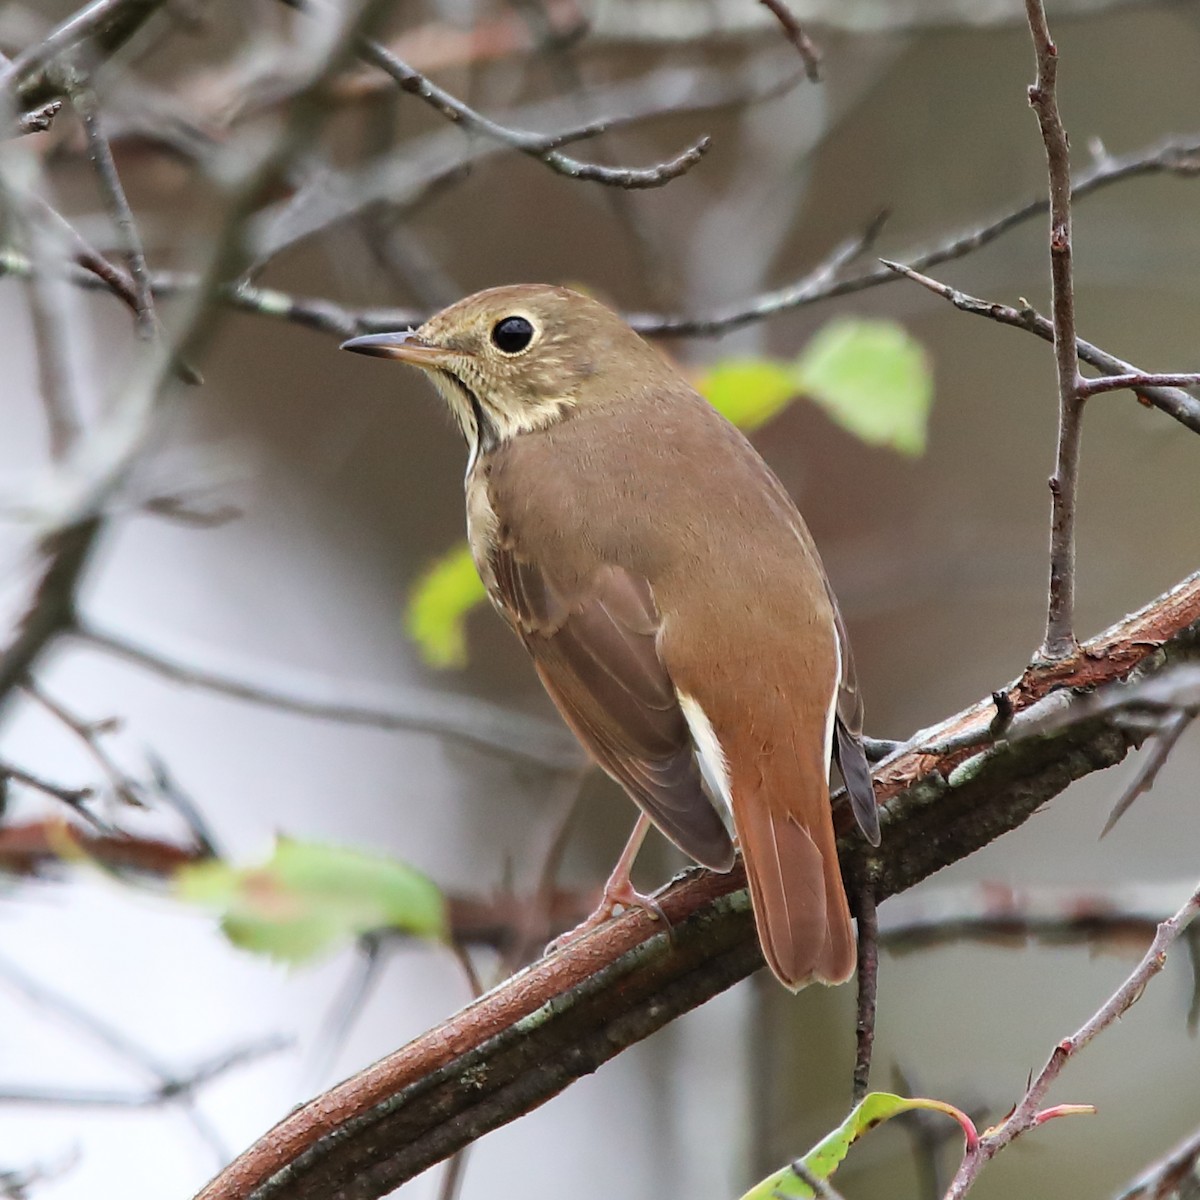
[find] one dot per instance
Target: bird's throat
(478, 427)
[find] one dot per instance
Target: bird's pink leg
(619, 891)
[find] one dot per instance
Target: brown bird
(669, 593)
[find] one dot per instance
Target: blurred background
(345, 477)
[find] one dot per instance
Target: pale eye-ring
(511, 335)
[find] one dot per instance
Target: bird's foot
(617, 894)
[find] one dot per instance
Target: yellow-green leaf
(310, 898)
(748, 391)
(438, 607)
(827, 1155)
(872, 379)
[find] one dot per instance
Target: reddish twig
(1029, 1114)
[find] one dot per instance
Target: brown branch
(1172, 401)
(104, 26)
(473, 721)
(1163, 742)
(809, 54)
(868, 990)
(1175, 156)
(1175, 1176)
(535, 145)
(34, 846)
(559, 1019)
(51, 611)
(1137, 381)
(1060, 640)
(1028, 1113)
(84, 100)
(1108, 919)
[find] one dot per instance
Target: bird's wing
(596, 651)
(847, 738)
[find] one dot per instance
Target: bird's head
(518, 358)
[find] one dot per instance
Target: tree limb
(531, 1037)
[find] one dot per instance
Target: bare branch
(1175, 1176)
(1060, 617)
(529, 1038)
(536, 145)
(1176, 156)
(104, 26)
(74, 798)
(170, 1087)
(1172, 401)
(475, 722)
(1107, 919)
(1164, 741)
(1029, 1114)
(809, 54)
(90, 733)
(868, 989)
(822, 1189)
(1137, 381)
(83, 98)
(52, 609)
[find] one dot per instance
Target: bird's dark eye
(512, 334)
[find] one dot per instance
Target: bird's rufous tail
(785, 826)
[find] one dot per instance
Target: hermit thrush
(668, 591)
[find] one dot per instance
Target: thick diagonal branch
(528, 1039)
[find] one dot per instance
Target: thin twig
(1172, 1177)
(169, 1085)
(1172, 401)
(1176, 156)
(868, 990)
(809, 54)
(535, 145)
(74, 798)
(1060, 640)
(475, 722)
(83, 98)
(1028, 1113)
(177, 1088)
(1153, 760)
(345, 1010)
(104, 26)
(1137, 381)
(124, 786)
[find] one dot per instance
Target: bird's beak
(407, 345)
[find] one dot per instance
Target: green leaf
(827, 1155)
(310, 898)
(748, 391)
(438, 607)
(872, 379)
